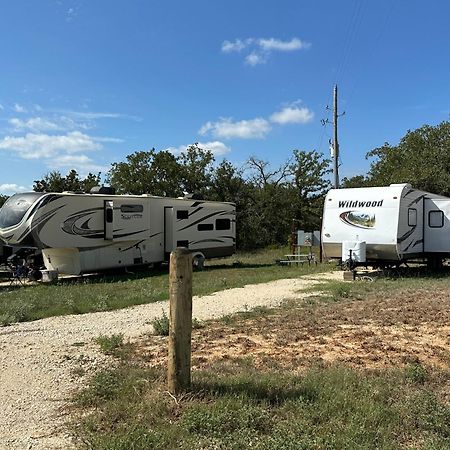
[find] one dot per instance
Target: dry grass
(378, 332)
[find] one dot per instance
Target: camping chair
(18, 276)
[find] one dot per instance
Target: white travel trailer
(389, 224)
(80, 233)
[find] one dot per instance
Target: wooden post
(180, 315)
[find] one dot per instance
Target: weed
(6, 319)
(110, 345)
(241, 407)
(197, 324)
(161, 325)
(228, 319)
(78, 371)
(416, 373)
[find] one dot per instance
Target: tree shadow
(262, 390)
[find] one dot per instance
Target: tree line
(266, 198)
(269, 198)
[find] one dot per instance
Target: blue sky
(84, 83)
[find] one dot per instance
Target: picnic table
(298, 258)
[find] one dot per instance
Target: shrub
(110, 344)
(161, 325)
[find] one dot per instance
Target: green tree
(196, 170)
(3, 199)
(162, 173)
(55, 182)
(421, 158)
(147, 172)
(356, 181)
(310, 182)
(273, 204)
(229, 185)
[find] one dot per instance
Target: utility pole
(335, 138)
(334, 145)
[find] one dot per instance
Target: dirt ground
(377, 333)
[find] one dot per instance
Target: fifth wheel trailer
(393, 223)
(81, 233)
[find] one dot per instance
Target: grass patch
(237, 407)
(381, 285)
(249, 394)
(161, 325)
(111, 345)
(119, 291)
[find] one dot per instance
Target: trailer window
(223, 224)
(16, 207)
(412, 217)
(131, 208)
(436, 219)
(109, 215)
(205, 227)
(182, 214)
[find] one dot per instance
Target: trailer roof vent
(406, 185)
(194, 196)
(105, 190)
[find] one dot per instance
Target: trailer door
(168, 230)
(437, 225)
(173, 218)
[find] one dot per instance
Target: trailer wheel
(198, 261)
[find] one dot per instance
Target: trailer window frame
(128, 208)
(412, 217)
(441, 214)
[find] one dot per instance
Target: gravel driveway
(38, 359)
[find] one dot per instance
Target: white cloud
(82, 163)
(12, 188)
(283, 46)
(19, 108)
(245, 129)
(255, 58)
(217, 148)
(107, 139)
(236, 46)
(1, 107)
(67, 123)
(56, 123)
(33, 124)
(259, 50)
(35, 146)
(259, 128)
(93, 115)
(292, 114)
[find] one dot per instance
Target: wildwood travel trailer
(385, 225)
(80, 233)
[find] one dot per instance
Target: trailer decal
(195, 211)
(406, 235)
(359, 203)
(39, 223)
(70, 226)
(358, 219)
(206, 240)
(201, 220)
(417, 200)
